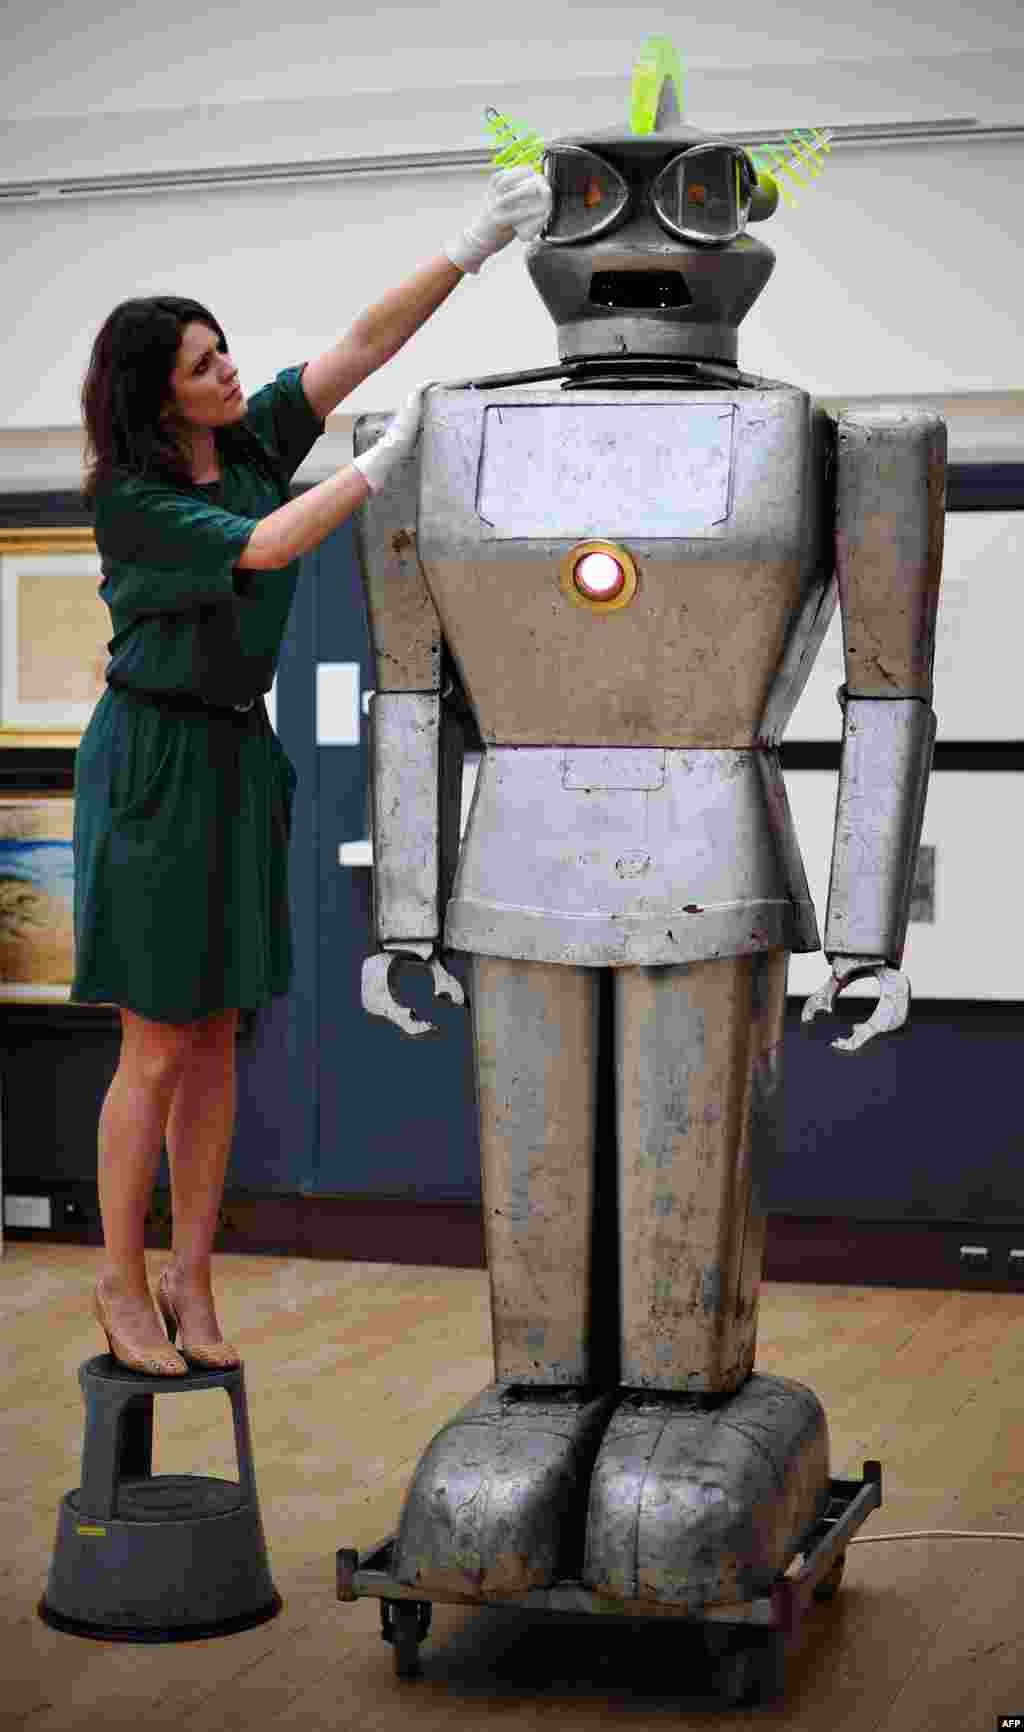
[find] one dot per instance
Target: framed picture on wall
(53, 635)
(36, 898)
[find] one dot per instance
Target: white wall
(898, 272)
(77, 56)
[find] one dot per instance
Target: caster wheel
(771, 1650)
(750, 1673)
(828, 1587)
(404, 1623)
(734, 1677)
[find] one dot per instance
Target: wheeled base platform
(745, 1639)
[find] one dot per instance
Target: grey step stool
(164, 1558)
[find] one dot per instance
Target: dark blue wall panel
(330, 1099)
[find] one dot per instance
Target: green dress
(183, 802)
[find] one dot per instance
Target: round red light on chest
(598, 576)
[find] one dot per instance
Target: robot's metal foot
(497, 1504)
(744, 1639)
(695, 1501)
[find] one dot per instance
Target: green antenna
(513, 144)
(657, 61)
(806, 147)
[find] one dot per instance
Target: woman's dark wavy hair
(126, 387)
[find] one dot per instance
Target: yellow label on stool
(90, 1528)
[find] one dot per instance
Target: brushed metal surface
(691, 1505)
(405, 631)
(535, 1031)
(692, 660)
(649, 469)
(807, 635)
(592, 771)
(405, 759)
(890, 519)
(497, 1504)
(716, 287)
(692, 857)
(883, 786)
(697, 1071)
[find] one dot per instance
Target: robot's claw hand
(445, 984)
(379, 999)
(889, 1014)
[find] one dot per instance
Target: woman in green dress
(182, 791)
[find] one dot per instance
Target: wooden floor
(350, 1369)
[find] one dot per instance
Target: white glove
(394, 445)
(518, 203)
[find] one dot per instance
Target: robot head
(646, 251)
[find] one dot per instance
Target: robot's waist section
(629, 857)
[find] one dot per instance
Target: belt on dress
(185, 701)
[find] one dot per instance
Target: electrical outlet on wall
(28, 1212)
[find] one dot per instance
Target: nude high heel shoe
(215, 1355)
(154, 1361)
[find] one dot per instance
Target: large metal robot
(624, 567)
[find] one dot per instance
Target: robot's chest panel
(635, 469)
(707, 511)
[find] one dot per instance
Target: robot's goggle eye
(587, 195)
(705, 194)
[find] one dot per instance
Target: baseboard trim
(358, 1229)
(830, 1249)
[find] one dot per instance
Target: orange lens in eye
(697, 195)
(592, 194)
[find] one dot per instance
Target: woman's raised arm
(378, 334)
(518, 202)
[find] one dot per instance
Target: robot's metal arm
(889, 528)
(415, 749)
(416, 778)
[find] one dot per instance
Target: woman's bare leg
(200, 1126)
(131, 1131)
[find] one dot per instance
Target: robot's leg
(697, 1074)
(707, 1475)
(498, 1501)
(535, 1028)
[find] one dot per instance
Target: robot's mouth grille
(639, 289)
